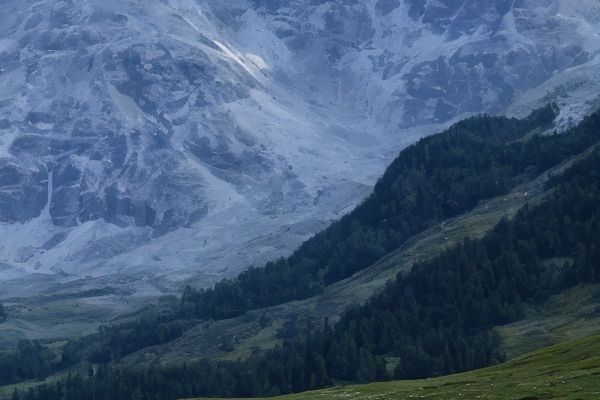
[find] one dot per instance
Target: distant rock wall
(183, 139)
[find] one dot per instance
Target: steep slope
(266, 328)
(569, 215)
(438, 316)
(146, 144)
(439, 177)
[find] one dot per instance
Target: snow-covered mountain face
(145, 143)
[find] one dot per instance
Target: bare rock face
(23, 190)
(411, 63)
(150, 143)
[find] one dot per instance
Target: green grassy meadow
(570, 370)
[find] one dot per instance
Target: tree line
(436, 319)
(437, 178)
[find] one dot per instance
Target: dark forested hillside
(439, 177)
(436, 319)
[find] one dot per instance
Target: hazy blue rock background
(145, 144)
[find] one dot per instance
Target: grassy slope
(572, 314)
(570, 370)
(68, 310)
